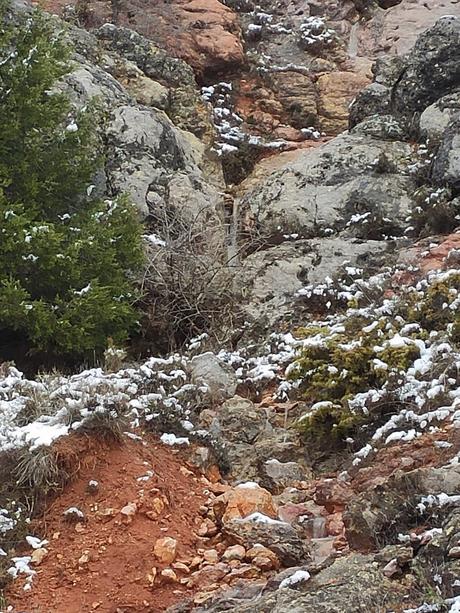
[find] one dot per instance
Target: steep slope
(319, 429)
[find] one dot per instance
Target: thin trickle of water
(353, 40)
(231, 206)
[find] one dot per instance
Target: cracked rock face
(315, 192)
(345, 199)
(156, 163)
(205, 33)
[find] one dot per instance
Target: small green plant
(334, 367)
(432, 310)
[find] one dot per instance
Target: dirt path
(102, 563)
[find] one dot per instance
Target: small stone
(208, 575)
(165, 550)
(207, 528)
(264, 563)
(180, 566)
(73, 515)
(391, 568)
(259, 551)
(454, 552)
(38, 555)
(201, 597)
(84, 558)
(211, 556)
(185, 471)
(79, 527)
(151, 576)
(235, 552)
(128, 512)
(246, 571)
(92, 487)
(168, 576)
(196, 561)
(157, 506)
(106, 514)
(243, 500)
(335, 525)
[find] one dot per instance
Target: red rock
(204, 33)
(246, 571)
(335, 525)
(208, 575)
(243, 500)
(165, 550)
(290, 512)
(332, 494)
(263, 557)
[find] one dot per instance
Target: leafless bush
(188, 285)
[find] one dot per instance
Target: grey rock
(240, 421)
(404, 87)
(207, 369)
(311, 194)
(435, 119)
(375, 99)
(353, 584)
(446, 166)
(376, 517)
(250, 438)
(444, 480)
(278, 536)
(388, 68)
(231, 597)
(247, 460)
(437, 552)
(403, 554)
(279, 475)
(184, 105)
(141, 145)
(432, 69)
(272, 277)
(385, 127)
(274, 582)
(157, 164)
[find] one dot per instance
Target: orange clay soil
(102, 564)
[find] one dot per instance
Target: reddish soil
(120, 549)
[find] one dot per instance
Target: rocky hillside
(283, 435)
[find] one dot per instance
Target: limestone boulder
(314, 191)
(272, 277)
(350, 584)
(446, 167)
(278, 536)
(435, 118)
(207, 369)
